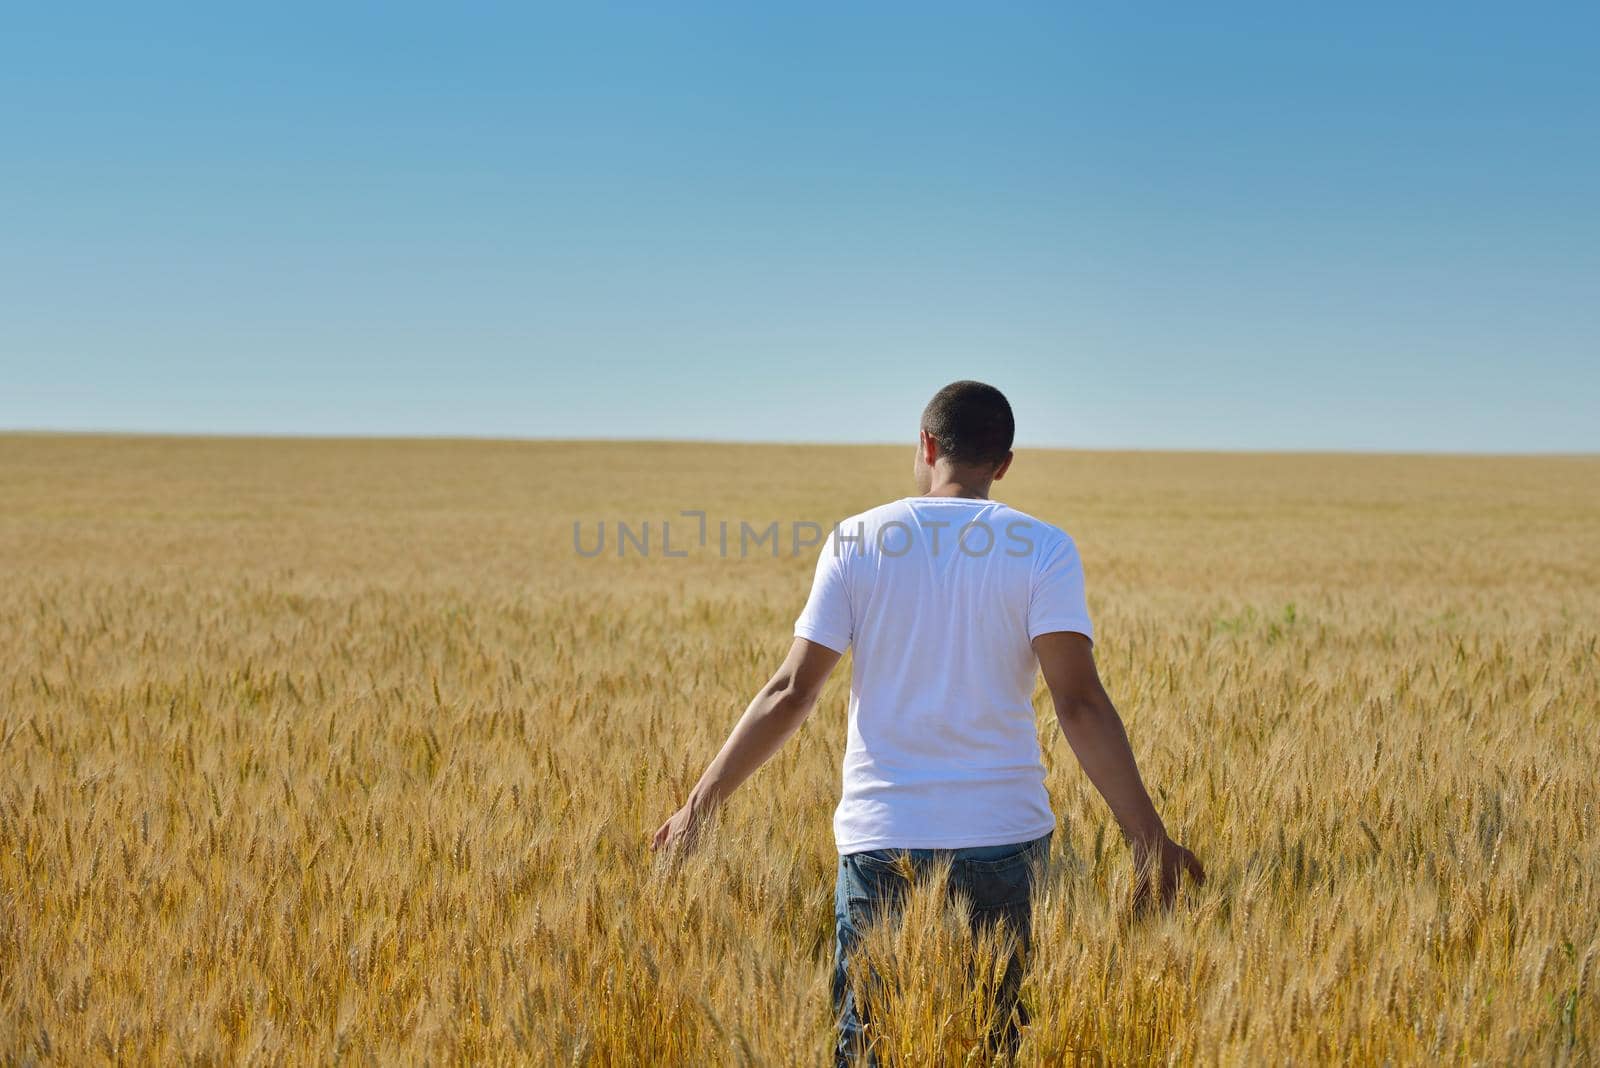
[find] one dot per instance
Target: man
(953, 602)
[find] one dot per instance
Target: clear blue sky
(1264, 226)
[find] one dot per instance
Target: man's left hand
(678, 833)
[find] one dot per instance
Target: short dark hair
(971, 422)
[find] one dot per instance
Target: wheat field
(340, 751)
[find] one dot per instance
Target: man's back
(940, 598)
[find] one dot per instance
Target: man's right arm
(1095, 732)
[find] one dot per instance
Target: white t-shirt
(941, 598)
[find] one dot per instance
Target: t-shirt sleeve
(1057, 599)
(827, 618)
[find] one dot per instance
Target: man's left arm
(777, 711)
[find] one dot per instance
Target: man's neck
(955, 487)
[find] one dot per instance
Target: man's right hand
(1159, 867)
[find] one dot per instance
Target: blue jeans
(996, 880)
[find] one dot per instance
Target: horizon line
(313, 436)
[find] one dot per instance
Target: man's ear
(929, 445)
(1000, 472)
